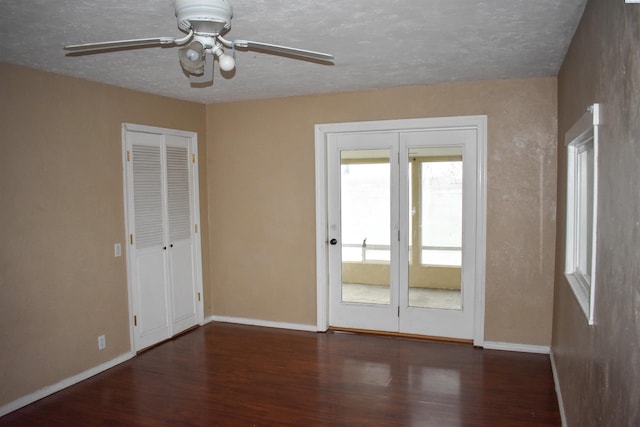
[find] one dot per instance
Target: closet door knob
(333, 241)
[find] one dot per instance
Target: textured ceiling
(376, 43)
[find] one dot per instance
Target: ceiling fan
(204, 21)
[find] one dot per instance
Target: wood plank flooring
(232, 375)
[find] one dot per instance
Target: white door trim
(197, 254)
(322, 260)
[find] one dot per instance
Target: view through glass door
(435, 227)
(365, 196)
(401, 213)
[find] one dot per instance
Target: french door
(402, 228)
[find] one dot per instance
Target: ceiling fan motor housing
(205, 17)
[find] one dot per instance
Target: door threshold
(400, 335)
(171, 338)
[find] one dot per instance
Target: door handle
(333, 241)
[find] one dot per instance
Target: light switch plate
(117, 250)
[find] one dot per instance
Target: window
(582, 186)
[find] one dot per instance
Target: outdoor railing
(369, 247)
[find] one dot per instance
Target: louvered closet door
(180, 231)
(150, 296)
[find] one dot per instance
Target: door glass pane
(435, 197)
(365, 201)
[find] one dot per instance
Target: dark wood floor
(231, 375)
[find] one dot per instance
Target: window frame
(581, 225)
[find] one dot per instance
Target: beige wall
(262, 197)
(599, 366)
(61, 192)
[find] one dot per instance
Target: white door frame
(479, 123)
(197, 254)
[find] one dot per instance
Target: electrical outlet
(102, 342)
(117, 250)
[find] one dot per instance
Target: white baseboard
(48, 390)
(523, 348)
(556, 381)
(265, 323)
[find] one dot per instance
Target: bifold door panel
(163, 257)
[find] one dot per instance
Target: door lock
(333, 241)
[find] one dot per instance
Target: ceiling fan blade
(268, 47)
(119, 44)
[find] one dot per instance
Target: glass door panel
(435, 209)
(365, 217)
(362, 185)
(401, 231)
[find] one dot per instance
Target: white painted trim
(460, 122)
(556, 381)
(583, 133)
(522, 348)
(322, 259)
(125, 246)
(132, 127)
(68, 382)
(206, 320)
(264, 323)
(196, 221)
(481, 229)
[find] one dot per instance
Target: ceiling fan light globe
(192, 55)
(226, 62)
(192, 58)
